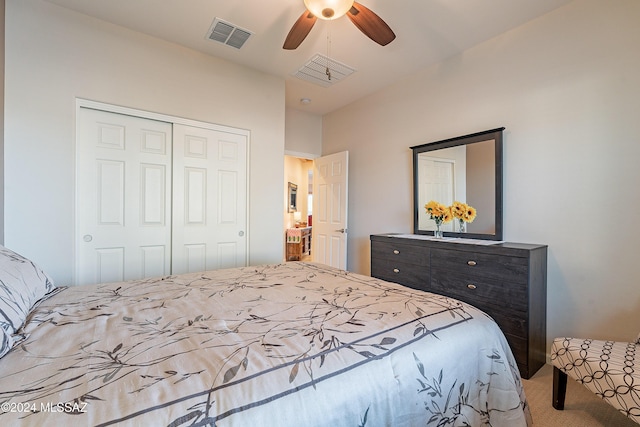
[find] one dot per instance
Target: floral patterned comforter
(293, 344)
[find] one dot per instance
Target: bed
(292, 344)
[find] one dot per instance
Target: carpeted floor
(581, 409)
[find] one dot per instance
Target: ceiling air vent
(315, 71)
(227, 33)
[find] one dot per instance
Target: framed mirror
(292, 200)
(467, 169)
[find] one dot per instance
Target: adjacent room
(209, 208)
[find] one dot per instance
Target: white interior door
(210, 206)
(123, 197)
(330, 196)
(436, 183)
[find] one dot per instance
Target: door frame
(111, 108)
(299, 155)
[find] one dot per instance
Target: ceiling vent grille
(315, 71)
(229, 34)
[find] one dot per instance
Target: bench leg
(559, 388)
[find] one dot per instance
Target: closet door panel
(110, 264)
(123, 193)
(195, 194)
(153, 260)
(227, 254)
(153, 195)
(228, 197)
(194, 257)
(209, 203)
(110, 192)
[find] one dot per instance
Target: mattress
(292, 344)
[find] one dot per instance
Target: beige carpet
(581, 408)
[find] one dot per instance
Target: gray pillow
(22, 285)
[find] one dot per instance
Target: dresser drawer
(416, 277)
(392, 250)
(510, 322)
(493, 294)
(507, 269)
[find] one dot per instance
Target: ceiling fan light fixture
(328, 9)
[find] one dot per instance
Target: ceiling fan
(366, 21)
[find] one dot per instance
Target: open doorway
(298, 207)
(328, 184)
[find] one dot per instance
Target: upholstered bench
(610, 369)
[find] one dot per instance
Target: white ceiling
(427, 32)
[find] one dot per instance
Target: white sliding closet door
(156, 198)
(123, 197)
(210, 207)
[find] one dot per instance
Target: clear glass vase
(437, 233)
(462, 226)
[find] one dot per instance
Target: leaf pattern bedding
(293, 344)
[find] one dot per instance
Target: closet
(157, 196)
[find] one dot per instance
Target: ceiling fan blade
(299, 31)
(371, 24)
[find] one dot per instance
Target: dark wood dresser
(508, 281)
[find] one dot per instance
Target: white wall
(303, 133)
(54, 55)
(567, 88)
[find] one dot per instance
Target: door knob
(342, 230)
(87, 238)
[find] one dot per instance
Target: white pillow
(6, 342)
(22, 285)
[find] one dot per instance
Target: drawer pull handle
(395, 251)
(471, 263)
(471, 286)
(395, 270)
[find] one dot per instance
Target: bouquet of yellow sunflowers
(438, 212)
(463, 213)
(442, 214)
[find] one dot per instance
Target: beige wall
(54, 56)
(483, 179)
(303, 134)
(567, 88)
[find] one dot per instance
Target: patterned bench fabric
(610, 369)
